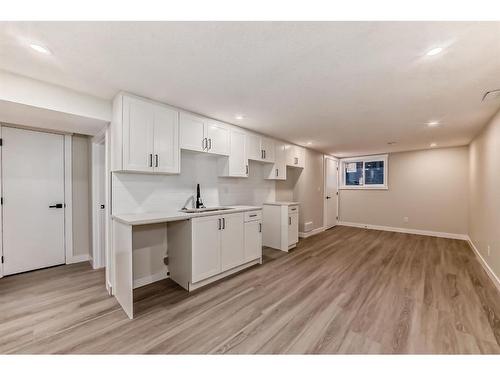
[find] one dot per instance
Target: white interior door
(331, 190)
(33, 200)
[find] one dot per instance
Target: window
(368, 172)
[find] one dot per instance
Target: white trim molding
(68, 199)
(494, 278)
(151, 279)
(78, 259)
(312, 232)
(456, 236)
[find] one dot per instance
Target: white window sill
(364, 188)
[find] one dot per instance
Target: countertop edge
(180, 216)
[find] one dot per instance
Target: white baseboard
(78, 259)
(455, 236)
(312, 232)
(484, 264)
(150, 279)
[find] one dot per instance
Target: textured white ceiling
(347, 87)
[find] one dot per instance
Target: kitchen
(224, 229)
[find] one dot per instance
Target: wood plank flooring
(346, 290)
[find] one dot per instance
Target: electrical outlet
(489, 250)
(405, 219)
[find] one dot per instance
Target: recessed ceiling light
(434, 51)
(433, 144)
(40, 49)
(238, 117)
(391, 143)
(309, 143)
(433, 124)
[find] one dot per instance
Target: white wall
(136, 193)
(429, 187)
(305, 186)
(484, 198)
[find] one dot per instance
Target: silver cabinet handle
(276, 172)
(219, 220)
(247, 169)
(296, 160)
(151, 160)
(223, 223)
(264, 154)
(156, 160)
(260, 227)
(210, 143)
(289, 220)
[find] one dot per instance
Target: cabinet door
(192, 132)
(138, 119)
(217, 135)
(206, 260)
(166, 140)
(293, 229)
(253, 149)
(237, 157)
(253, 240)
(268, 147)
(277, 171)
(300, 153)
(232, 241)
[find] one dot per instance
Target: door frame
(103, 136)
(68, 195)
(325, 216)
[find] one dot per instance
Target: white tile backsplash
(138, 193)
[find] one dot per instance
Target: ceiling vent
(491, 95)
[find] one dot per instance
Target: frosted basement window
(368, 172)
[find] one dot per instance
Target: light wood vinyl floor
(346, 290)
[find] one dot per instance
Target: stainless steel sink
(205, 209)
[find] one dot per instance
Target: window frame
(365, 159)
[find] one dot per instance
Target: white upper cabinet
(217, 135)
(166, 140)
(192, 132)
(267, 145)
(203, 135)
(254, 151)
(236, 165)
(295, 156)
(144, 136)
(278, 169)
(260, 148)
(138, 143)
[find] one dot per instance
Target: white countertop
(282, 203)
(175, 215)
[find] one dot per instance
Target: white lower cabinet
(281, 225)
(206, 254)
(205, 249)
(232, 241)
(253, 240)
(293, 228)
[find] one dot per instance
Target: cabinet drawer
(293, 209)
(253, 215)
